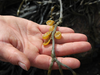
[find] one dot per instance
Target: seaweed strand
(18, 11)
(54, 59)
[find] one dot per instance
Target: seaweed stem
(18, 11)
(54, 59)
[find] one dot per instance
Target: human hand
(21, 44)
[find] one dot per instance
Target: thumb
(8, 53)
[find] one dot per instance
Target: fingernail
(23, 66)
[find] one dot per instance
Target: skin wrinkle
(36, 34)
(15, 29)
(42, 40)
(83, 37)
(13, 41)
(19, 46)
(40, 31)
(37, 61)
(43, 31)
(69, 30)
(48, 46)
(11, 37)
(70, 37)
(10, 25)
(1, 52)
(73, 49)
(57, 50)
(10, 57)
(33, 43)
(22, 37)
(41, 50)
(34, 46)
(30, 35)
(29, 54)
(34, 60)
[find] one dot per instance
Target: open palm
(21, 44)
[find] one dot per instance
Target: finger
(44, 61)
(45, 28)
(67, 48)
(71, 37)
(10, 54)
